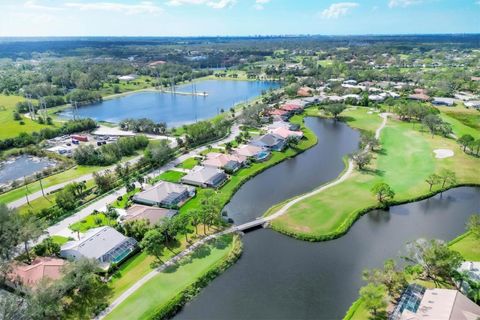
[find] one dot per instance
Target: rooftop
(152, 214)
(41, 268)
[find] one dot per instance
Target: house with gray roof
(205, 177)
(104, 244)
(165, 194)
(270, 141)
(439, 101)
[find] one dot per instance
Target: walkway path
(237, 228)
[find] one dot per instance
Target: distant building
(205, 177)
(165, 194)
(438, 101)
(129, 77)
(472, 104)
(156, 63)
(305, 92)
(251, 151)
(285, 133)
(104, 244)
(30, 275)
(419, 97)
(152, 214)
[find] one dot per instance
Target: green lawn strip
(357, 311)
(362, 118)
(55, 179)
(167, 288)
(205, 152)
(122, 204)
(59, 240)
(459, 128)
(188, 164)
(10, 127)
(468, 246)
(90, 222)
(406, 160)
(170, 176)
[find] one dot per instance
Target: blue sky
(235, 17)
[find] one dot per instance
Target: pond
(279, 277)
(176, 109)
(22, 166)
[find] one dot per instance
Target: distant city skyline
(236, 17)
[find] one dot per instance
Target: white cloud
(260, 4)
(129, 9)
(34, 5)
(219, 4)
(402, 3)
(337, 10)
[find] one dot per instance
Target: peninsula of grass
(170, 176)
(92, 221)
(190, 163)
(166, 292)
(405, 161)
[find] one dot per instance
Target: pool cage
(410, 300)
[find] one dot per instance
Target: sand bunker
(443, 153)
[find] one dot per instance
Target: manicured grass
(461, 123)
(170, 176)
(188, 164)
(362, 118)
(10, 127)
(122, 204)
(92, 221)
(205, 152)
(405, 161)
(59, 240)
(152, 296)
(468, 245)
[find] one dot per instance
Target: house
(165, 194)
(127, 78)
(251, 151)
(472, 104)
(437, 101)
(464, 96)
(228, 162)
(152, 214)
(304, 92)
(205, 177)
(376, 97)
(270, 141)
(335, 98)
(42, 268)
(286, 133)
(279, 114)
(292, 108)
(104, 244)
(419, 303)
(419, 97)
(156, 63)
(350, 82)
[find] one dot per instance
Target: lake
(176, 109)
(22, 166)
(279, 277)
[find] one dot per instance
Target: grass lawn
(170, 176)
(122, 204)
(207, 151)
(188, 164)
(10, 127)
(463, 121)
(405, 161)
(468, 246)
(152, 296)
(59, 240)
(92, 221)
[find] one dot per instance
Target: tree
(334, 109)
(182, 222)
(368, 139)
(66, 198)
(383, 192)
(111, 213)
(390, 276)
(432, 180)
(84, 292)
(375, 298)
(105, 181)
(154, 243)
(362, 159)
(447, 178)
(31, 229)
(195, 219)
(47, 248)
(466, 141)
(438, 261)
(473, 225)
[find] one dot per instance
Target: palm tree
(195, 219)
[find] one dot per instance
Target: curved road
(233, 229)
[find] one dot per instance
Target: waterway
(176, 109)
(279, 277)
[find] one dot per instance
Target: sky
(236, 17)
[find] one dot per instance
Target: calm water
(22, 166)
(282, 278)
(176, 109)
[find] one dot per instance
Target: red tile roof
(41, 268)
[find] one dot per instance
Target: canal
(279, 277)
(176, 109)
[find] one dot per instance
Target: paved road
(237, 228)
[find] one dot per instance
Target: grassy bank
(404, 162)
(164, 294)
